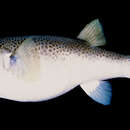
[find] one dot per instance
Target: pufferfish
(39, 68)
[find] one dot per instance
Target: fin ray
(100, 91)
(93, 34)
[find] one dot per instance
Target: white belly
(54, 79)
(52, 82)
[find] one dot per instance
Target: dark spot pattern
(11, 43)
(57, 47)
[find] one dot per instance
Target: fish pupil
(13, 60)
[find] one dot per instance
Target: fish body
(35, 68)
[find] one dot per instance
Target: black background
(68, 19)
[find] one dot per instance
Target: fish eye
(12, 60)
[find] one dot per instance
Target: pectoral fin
(30, 61)
(100, 91)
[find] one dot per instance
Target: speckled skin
(11, 43)
(56, 61)
(57, 46)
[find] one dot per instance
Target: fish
(39, 67)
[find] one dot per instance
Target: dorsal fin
(93, 33)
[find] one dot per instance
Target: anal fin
(100, 91)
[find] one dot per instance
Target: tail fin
(100, 91)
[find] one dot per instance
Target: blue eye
(13, 60)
